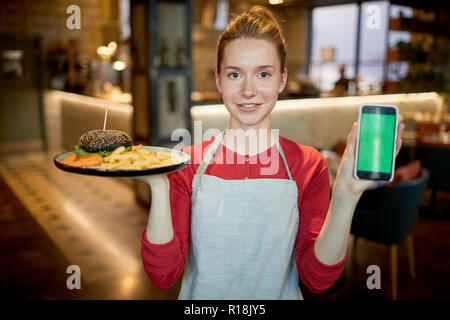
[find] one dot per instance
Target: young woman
(251, 235)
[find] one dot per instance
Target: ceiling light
(276, 1)
(119, 65)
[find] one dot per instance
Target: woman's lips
(248, 107)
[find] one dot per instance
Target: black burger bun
(104, 140)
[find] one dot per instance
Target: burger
(102, 142)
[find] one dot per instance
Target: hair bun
(256, 22)
(262, 11)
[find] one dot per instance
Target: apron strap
(280, 150)
(212, 150)
(210, 153)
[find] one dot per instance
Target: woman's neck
(249, 140)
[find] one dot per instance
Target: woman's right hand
(159, 227)
(156, 180)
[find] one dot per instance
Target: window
(398, 70)
(372, 48)
(333, 43)
(336, 40)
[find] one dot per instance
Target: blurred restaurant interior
(152, 63)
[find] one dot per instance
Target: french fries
(138, 159)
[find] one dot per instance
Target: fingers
(351, 138)
(400, 128)
(398, 145)
(156, 180)
(401, 123)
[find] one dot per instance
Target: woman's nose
(248, 88)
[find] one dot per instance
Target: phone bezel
(370, 175)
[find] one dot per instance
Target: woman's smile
(248, 107)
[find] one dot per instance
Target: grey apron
(243, 236)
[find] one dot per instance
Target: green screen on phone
(376, 142)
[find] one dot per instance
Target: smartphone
(375, 146)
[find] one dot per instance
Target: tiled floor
(50, 219)
(432, 256)
(94, 221)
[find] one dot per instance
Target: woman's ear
(219, 88)
(283, 81)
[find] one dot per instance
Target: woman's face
(250, 81)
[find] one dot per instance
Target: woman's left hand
(345, 176)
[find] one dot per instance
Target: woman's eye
(233, 75)
(264, 75)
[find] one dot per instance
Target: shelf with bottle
(414, 25)
(426, 21)
(415, 52)
(173, 71)
(172, 62)
(417, 63)
(397, 55)
(178, 59)
(424, 71)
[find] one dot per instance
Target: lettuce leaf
(81, 152)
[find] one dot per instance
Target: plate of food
(110, 153)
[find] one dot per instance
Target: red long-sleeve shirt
(164, 263)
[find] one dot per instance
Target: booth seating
(318, 122)
(71, 115)
(321, 122)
